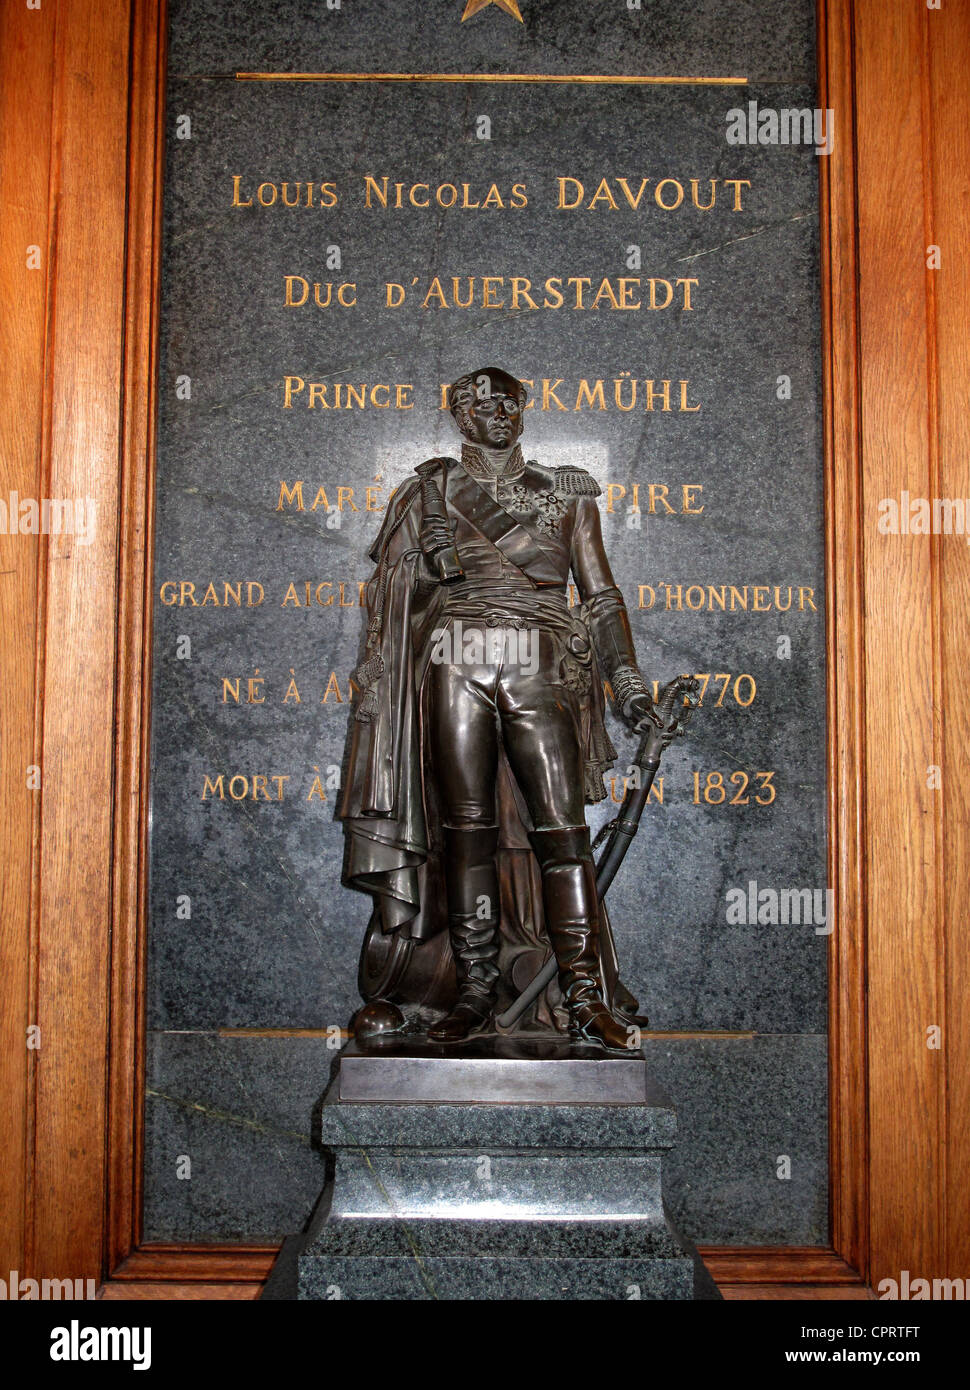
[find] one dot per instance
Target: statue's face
(489, 411)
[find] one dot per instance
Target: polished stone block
(654, 1275)
(485, 1127)
(520, 1200)
(495, 1185)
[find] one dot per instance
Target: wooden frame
(81, 129)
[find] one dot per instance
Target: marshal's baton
(674, 709)
(444, 557)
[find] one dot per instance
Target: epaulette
(576, 482)
(431, 466)
(400, 504)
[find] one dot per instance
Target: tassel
(369, 672)
(367, 707)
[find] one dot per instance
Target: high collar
(477, 462)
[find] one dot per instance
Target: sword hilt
(674, 708)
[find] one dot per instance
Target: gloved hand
(641, 710)
(633, 697)
(435, 534)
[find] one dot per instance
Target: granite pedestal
(529, 1193)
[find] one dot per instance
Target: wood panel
(764, 1265)
(113, 1292)
(71, 421)
(85, 340)
(846, 694)
(901, 575)
(80, 126)
(948, 62)
(794, 1293)
(26, 93)
(134, 627)
(197, 1263)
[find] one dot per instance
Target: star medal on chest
(548, 506)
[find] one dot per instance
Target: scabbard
(627, 823)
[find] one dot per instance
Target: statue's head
(487, 405)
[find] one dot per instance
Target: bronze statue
(478, 738)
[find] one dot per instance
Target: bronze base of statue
(540, 1068)
(590, 1024)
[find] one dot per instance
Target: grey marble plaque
(719, 551)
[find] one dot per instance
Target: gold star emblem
(509, 6)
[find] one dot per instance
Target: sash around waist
(506, 603)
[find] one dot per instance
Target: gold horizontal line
(345, 1033)
(678, 1034)
(590, 78)
(281, 1033)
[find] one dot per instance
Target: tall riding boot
(572, 922)
(472, 881)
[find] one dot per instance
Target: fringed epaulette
(576, 482)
